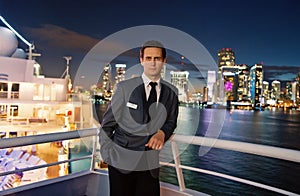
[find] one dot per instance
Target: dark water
(275, 128)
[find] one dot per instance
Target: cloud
(54, 36)
(283, 73)
(50, 36)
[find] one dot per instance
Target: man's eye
(148, 58)
(157, 59)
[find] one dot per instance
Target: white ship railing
(257, 149)
(268, 151)
(45, 138)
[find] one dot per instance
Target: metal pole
(95, 138)
(178, 166)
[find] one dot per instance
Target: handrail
(257, 149)
(44, 138)
(45, 165)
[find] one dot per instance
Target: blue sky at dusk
(258, 31)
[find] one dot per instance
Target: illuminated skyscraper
(163, 72)
(227, 75)
(256, 81)
(226, 57)
(289, 91)
(265, 92)
(275, 90)
(295, 93)
(297, 89)
(107, 82)
(230, 76)
(120, 73)
(180, 80)
(205, 94)
(243, 80)
(211, 80)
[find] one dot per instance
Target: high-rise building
(288, 90)
(230, 75)
(265, 92)
(120, 73)
(163, 72)
(275, 90)
(294, 92)
(180, 80)
(227, 76)
(230, 85)
(226, 57)
(211, 80)
(297, 89)
(256, 80)
(243, 80)
(107, 86)
(205, 94)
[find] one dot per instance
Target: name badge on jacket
(131, 105)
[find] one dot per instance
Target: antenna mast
(66, 72)
(68, 59)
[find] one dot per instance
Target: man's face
(153, 62)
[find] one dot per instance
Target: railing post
(177, 166)
(94, 153)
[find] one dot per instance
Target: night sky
(259, 31)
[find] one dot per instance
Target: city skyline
(258, 31)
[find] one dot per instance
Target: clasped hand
(156, 142)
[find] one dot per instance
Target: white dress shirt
(146, 81)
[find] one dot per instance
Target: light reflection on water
(268, 127)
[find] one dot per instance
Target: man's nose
(152, 62)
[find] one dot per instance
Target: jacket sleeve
(172, 114)
(109, 122)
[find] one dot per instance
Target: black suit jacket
(126, 126)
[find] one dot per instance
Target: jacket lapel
(138, 96)
(164, 93)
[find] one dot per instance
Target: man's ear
(141, 61)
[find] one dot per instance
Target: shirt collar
(146, 80)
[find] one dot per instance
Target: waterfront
(276, 128)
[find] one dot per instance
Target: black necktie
(153, 95)
(151, 99)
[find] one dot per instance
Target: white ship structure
(27, 97)
(33, 104)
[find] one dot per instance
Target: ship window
(3, 86)
(3, 90)
(3, 112)
(15, 87)
(14, 110)
(15, 91)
